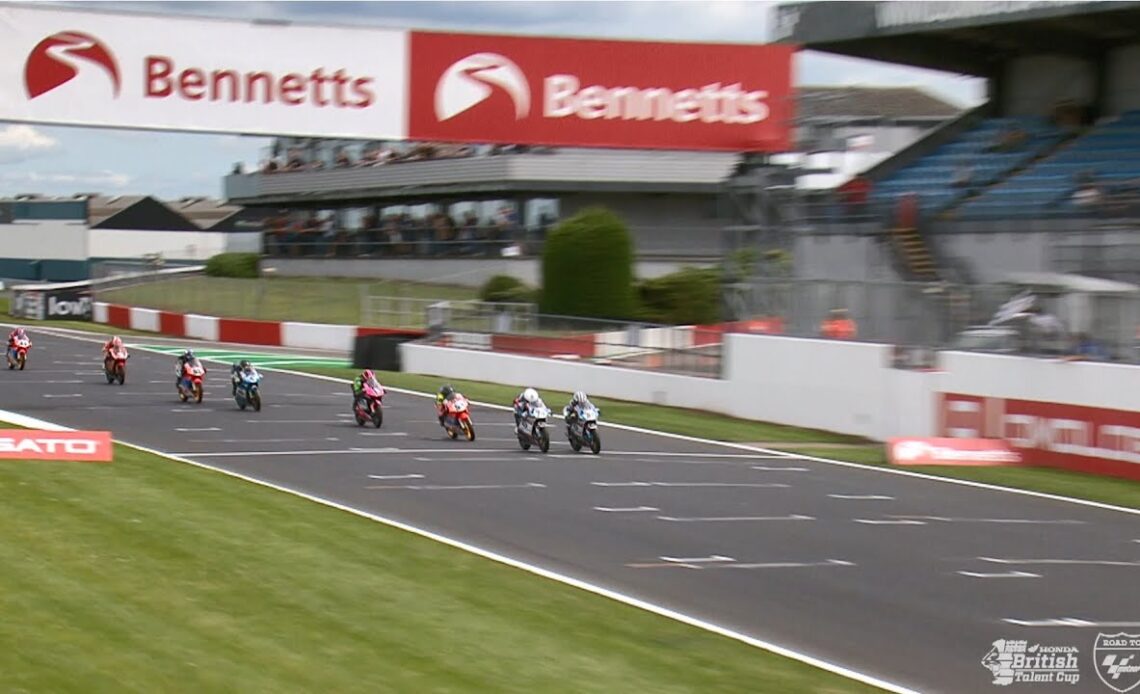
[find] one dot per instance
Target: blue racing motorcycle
(583, 430)
(247, 393)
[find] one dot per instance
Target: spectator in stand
(1011, 139)
(1088, 349)
(342, 159)
(1088, 194)
(963, 176)
(855, 194)
(838, 326)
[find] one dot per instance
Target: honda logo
(469, 81)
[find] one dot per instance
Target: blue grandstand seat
(931, 176)
(1110, 153)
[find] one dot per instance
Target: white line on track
(63, 395)
(1007, 574)
(770, 485)
(383, 433)
(786, 564)
(1012, 521)
(68, 381)
(331, 451)
(630, 509)
(1073, 562)
(197, 429)
(862, 497)
(1070, 622)
(450, 487)
(397, 477)
(734, 519)
(870, 521)
(767, 468)
(697, 560)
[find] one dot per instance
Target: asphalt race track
(902, 578)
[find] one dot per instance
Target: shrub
(587, 267)
(232, 265)
(687, 297)
(505, 288)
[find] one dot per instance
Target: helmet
(20, 332)
(579, 396)
(188, 354)
(245, 365)
(116, 341)
(368, 375)
(530, 395)
(446, 390)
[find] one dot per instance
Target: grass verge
(310, 299)
(144, 575)
(1109, 490)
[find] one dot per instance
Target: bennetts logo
(57, 60)
(469, 81)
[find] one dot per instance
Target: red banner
(973, 452)
(84, 446)
(592, 93)
(1088, 439)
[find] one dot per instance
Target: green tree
(587, 267)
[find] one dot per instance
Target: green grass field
(152, 576)
(315, 299)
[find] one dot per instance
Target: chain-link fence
(1046, 321)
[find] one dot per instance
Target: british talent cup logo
(1117, 660)
(57, 59)
(1016, 661)
(469, 81)
(911, 450)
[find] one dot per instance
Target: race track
(898, 577)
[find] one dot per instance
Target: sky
(65, 161)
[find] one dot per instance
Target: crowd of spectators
(298, 159)
(402, 235)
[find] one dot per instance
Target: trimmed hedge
(587, 267)
(232, 265)
(506, 289)
(687, 297)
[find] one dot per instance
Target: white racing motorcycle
(583, 431)
(531, 429)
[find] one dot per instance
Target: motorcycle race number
(79, 446)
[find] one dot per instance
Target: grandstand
(669, 198)
(1042, 177)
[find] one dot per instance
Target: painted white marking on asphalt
(697, 560)
(449, 487)
(869, 521)
(383, 433)
(734, 519)
(631, 509)
(295, 421)
(397, 477)
(63, 395)
(772, 485)
(1007, 574)
(1014, 521)
(69, 381)
(786, 564)
(1073, 562)
(863, 497)
(158, 380)
(766, 468)
(197, 429)
(1071, 622)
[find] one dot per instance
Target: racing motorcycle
(115, 366)
(583, 431)
(248, 392)
(190, 385)
(457, 418)
(18, 353)
(531, 428)
(369, 407)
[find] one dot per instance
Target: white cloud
(97, 179)
(20, 142)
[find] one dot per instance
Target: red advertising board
(594, 93)
(84, 446)
(1088, 439)
(951, 451)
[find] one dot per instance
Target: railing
(943, 315)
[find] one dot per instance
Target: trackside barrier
(338, 338)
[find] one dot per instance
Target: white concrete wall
(145, 319)
(462, 272)
(44, 240)
(202, 327)
(1110, 386)
(1123, 88)
(174, 245)
(317, 336)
